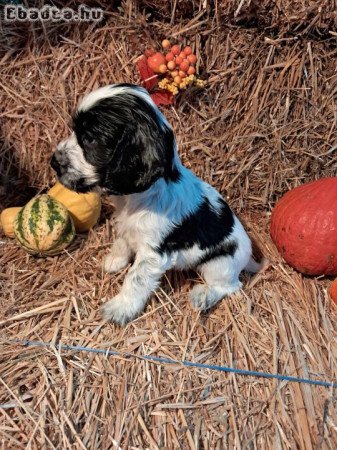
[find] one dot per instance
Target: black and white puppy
(166, 216)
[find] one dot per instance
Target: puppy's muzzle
(60, 163)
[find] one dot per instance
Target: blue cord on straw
(274, 376)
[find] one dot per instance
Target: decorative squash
(304, 227)
(85, 209)
(7, 218)
(333, 291)
(44, 227)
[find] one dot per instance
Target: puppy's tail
(254, 267)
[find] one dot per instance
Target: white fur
(78, 166)
(93, 97)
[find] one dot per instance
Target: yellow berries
(163, 83)
(200, 83)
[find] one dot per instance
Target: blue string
(253, 373)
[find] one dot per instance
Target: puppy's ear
(144, 153)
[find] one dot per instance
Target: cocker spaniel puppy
(166, 216)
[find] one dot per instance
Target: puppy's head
(120, 142)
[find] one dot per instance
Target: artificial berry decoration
(171, 70)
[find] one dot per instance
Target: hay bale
(295, 16)
(283, 16)
(171, 10)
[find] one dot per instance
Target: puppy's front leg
(143, 278)
(119, 256)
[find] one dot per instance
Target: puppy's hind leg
(119, 256)
(222, 279)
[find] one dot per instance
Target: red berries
(184, 65)
(175, 49)
(192, 59)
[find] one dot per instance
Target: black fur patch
(205, 227)
(124, 137)
(224, 249)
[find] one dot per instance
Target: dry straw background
(265, 123)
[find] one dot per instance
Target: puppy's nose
(55, 165)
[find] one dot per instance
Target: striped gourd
(44, 226)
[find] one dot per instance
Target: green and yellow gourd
(44, 227)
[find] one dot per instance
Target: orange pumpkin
(304, 227)
(333, 291)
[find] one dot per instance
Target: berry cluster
(177, 66)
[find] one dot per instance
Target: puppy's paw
(199, 295)
(118, 310)
(112, 263)
(204, 297)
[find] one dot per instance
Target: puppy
(166, 216)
